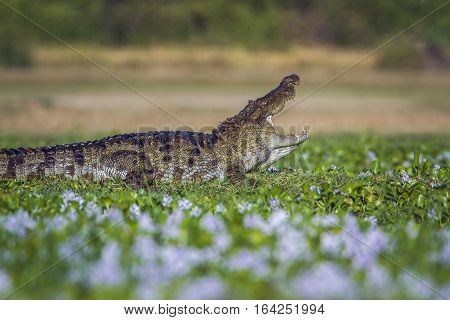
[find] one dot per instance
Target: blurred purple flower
(379, 281)
(222, 241)
(178, 261)
(291, 246)
(274, 203)
(145, 222)
(212, 223)
(325, 281)
(195, 212)
(331, 243)
(333, 167)
(145, 248)
(92, 209)
(445, 253)
(208, 287)
(114, 215)
(220, 208)
(171, 227)
(244, 207)
(135, 211)
(371, 156)
(5, 282)
(184, 204)
(326, 221)
(19, 223)
(411, 229)
(107, 271)
(416, 288)
(432, 214)
(68, 197)
(166, 200)
(277, 221)
(255, 221)
(56, 223)
(247, 260)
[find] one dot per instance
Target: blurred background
(203, 60)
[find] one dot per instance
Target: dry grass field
(64, 93)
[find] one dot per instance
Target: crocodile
(244, 142)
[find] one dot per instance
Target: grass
(347, 216)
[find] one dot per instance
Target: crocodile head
(252, 134)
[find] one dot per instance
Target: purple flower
(376, 240)
(291, 246)
(92, 209)
(436, 167)
(405, 178)
(373, 221)
(379, 281)
(371, 156)
(178, 261)
(254, 221)
(432, 214)
(145, 248)
(220, 208)
(69, 197)
(364, 174)
(212, 224)
(417, 288)
(166, 200)
(146, 223)
(107, 271)
(445, 254)
(277, 220)
(331, 243)
(5, 282)
(244, 207)
(208, 287)
(56, 223)
(315, 189)
(274, 203)
(247, 260)
(412, 230)
(135, 211)
(333, 167)
(325, 281)
(329, 220)
(195, 212)
(222, 241)
(19, 223)
(114, 215)
(70, 246)
(171, 227)
(184, 204)
(72, 215)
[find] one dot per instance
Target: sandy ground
(59, 100)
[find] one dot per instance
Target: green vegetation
(251, 23)
(310, 230)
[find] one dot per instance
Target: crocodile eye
(269, 120)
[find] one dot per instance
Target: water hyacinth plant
(357, 218)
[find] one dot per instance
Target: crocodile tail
(27, 163)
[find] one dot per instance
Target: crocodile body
(241, 143)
